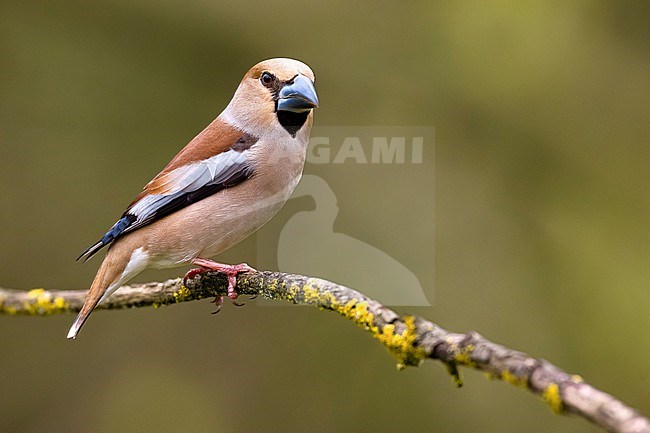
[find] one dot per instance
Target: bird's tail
(109, 278)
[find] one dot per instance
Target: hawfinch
(220, 188)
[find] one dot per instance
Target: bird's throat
(292, 121)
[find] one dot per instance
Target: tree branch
(410, 338)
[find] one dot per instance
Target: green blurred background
(541, 222)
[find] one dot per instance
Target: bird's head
(275, 95)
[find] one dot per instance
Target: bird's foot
(231, 272)
(192, 273)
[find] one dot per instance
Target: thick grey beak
(298, 96)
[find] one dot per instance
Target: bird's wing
(178, 186)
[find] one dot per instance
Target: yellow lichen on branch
(38, 302)
(551, 395)
(399, 342)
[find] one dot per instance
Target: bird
(225, 184)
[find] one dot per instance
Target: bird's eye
(267, 79)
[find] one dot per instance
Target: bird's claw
(192, 273)
(218, 302)
(231, 272)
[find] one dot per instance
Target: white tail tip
(74, 329)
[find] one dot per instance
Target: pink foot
(193, 273)
(231, 272)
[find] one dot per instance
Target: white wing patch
(214, 171)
